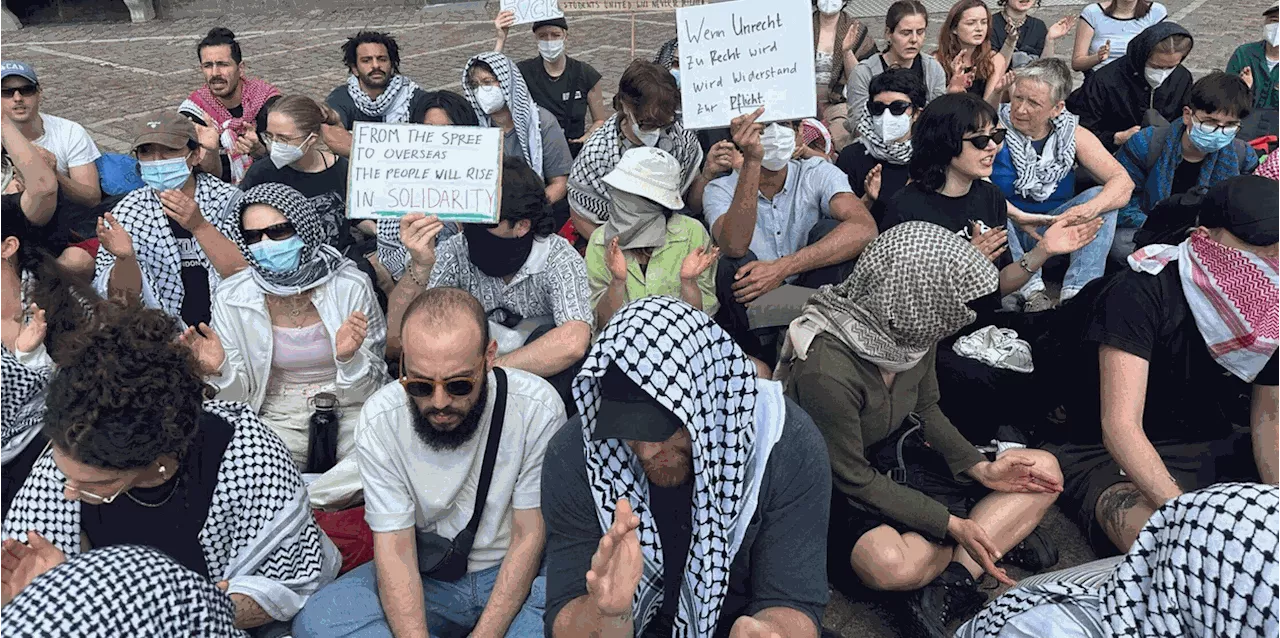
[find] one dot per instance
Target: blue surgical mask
(165, 175)
(1207, 140)
(675, 73)
(278, 256)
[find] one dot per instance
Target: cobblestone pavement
(107, 76)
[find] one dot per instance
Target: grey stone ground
(110, 75)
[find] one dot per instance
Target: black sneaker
(1035, 553)
(952, 596)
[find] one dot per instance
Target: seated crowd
(229, 410)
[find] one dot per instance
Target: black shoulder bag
(444, 559)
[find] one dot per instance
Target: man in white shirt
(67, 146)
(421, 444)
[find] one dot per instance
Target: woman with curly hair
(137, 456)
(965, 51)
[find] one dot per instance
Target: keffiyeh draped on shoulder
(202, 103)
(23, 405)
(142, 215)
(125, 590)
(681, 358)
(259, 533)
(523, 110)
(1038, 173)
(319, 261)
(588, 194)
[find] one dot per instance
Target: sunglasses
(980, 142)
(283, 230)
(897, 107)
(26, 91)
(423, 387)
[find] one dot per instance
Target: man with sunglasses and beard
(426, 446)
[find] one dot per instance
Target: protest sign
(448, 171)
(625, 6)
(532, 10)
(737, 56)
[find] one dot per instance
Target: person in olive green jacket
(860, 361)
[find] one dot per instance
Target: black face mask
(493, 255)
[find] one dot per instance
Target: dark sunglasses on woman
(283, 230)
(980, 142)
(897, 107)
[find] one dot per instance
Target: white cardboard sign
(740, 55)
(452, 172)
(532, 10)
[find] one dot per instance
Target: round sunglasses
(980, 142)
(425, 387)
(283, 230)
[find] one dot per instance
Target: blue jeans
(1087, 264)
(350, 607)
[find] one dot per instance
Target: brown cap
(170, 130)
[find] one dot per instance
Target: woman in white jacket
(300, 321)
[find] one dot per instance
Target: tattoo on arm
(1114, 506)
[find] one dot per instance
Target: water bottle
(322, 445)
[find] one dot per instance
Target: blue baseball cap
(20, 69)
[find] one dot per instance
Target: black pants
(732, 315)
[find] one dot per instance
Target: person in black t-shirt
(877, 163)
(1183, 345)
(1034, 40)
(565, 87)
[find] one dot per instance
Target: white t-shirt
(68, 141)
(409, 484)
(1118, 31)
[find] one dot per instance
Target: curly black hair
(524, 197)
(129, 392)
(459, 110)
(220, 36)
(371, 37)
(938, 135)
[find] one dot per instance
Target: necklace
(1012, 23)
(292, 309)
(143, 503)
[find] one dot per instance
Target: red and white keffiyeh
(203, 104)
(1233, 296)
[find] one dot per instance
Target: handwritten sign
(449, 171)
(737, 56)
(626, 6)
(532, 10)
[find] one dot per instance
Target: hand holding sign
(526, 11)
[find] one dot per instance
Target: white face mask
(1156, 77)
(892, 127)
(551, 49)
(283, 155)
(648, 137)
(1271, 33)
(490, 98)
(829, 7)
(779, 144)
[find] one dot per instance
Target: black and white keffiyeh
(1205, 565)
(681, 358)
(1040, 173)
(22, 410)
(898, 152)
(600, 154)
(124, 590)
(392, 105)
(666, 56)
(524, 112)
(259, 533)
(319, 261)
(909, 290)
(156, 248)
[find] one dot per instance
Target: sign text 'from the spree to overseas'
(741, 55)
(448, 171)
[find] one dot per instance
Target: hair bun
(221, 32)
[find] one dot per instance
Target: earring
(162, 469)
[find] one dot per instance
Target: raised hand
(746, 134)
(206, 346)
(182, 208)
(871, 185)
(698, 261)
(975, 541)
(32, 333)
(248, 144)
(208, 136)
(615, 260)
(617, 564)
(991, 243)
(418, 234)
(114, 238)
(1061, 28)
(719, 160)
(961, 72)
(350, 335)
(1246, 74)
(1104, 52)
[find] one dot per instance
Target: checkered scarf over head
(1233, 294)
(319, 261)
(392, 106)
(523, 111)
(909, 290)
(121, 590)
(686, 362)
(1205, 564)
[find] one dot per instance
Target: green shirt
(1254, 55)
(662, 275)
(848, 400)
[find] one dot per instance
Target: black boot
(953, 595)
(1035, 553)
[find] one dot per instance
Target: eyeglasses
(84, 495)
(27, 90)
(980, 142)
(1217, 128)
(283, 230)
(897, 107)
(423, 387)
(268, 138)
